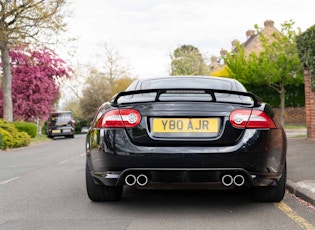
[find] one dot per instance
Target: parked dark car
(60, 123)
(184, 132)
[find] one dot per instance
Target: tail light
(119, 118)
(251, 119)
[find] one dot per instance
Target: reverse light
(251, 119)
(119, 118)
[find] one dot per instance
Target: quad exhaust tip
(227, 180)
(130, 180)
(140, 180)
(238, 180)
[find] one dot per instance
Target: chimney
(269, 23)
(235, 42)
(250, 33)
(223, 52)
(214, 59)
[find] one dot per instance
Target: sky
(146, 32)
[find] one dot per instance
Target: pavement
(301, 165)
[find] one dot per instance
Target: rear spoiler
(211, 92)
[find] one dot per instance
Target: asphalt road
(43, 187)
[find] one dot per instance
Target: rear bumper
(259, 156)
(60, 132)
(174, 177)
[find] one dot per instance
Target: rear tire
(101, 193)
(271, 193)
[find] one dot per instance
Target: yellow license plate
(185, 125)
(55, 131)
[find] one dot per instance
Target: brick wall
(309, 106)
(293, 115)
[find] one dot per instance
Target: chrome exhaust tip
(239, 180)
(142, 180)
(130, 180)
(227, 180)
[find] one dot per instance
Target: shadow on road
(180, 202)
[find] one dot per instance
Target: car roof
(135, 85)
(188, 76)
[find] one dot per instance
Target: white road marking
(8, 181)
(62, 162)
(71, 159)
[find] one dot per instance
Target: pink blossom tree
(36, 78)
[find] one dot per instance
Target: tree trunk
(6, 83)
(282, 103)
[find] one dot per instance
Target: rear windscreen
(61, 118)
(191, 82)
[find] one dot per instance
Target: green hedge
(29, 128)
(79, 123)
(305, 44)
(294, 96)
(11, 137)
(2, 146)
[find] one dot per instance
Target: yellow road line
(294, 216)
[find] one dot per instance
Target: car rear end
(186, 137)
(61, 124)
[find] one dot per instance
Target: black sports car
(184, 132)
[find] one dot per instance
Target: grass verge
(295, 126)
(39, 138)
